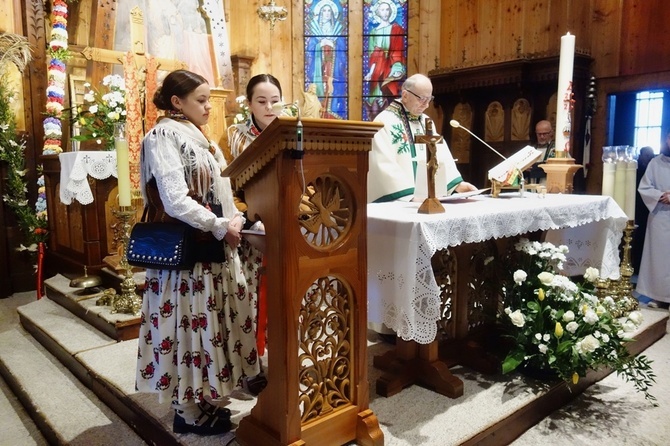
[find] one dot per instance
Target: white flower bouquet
(560, 326)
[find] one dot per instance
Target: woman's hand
(665, 198)
(233, 235)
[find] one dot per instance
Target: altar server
(654, 280)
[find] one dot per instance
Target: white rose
(591, 274)
(520, 276)
(568, 316)
(590, 317)
(546, 278)
(542, 348)
(572, 327)
(93, 109)
(517, 318)
(587, 345)
(635, 317)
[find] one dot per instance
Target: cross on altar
(139, 72)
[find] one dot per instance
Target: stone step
(118, 326)
(54, 397)
(107, 368)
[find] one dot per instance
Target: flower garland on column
(59, 53)
(53, 127)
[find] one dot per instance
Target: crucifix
(431, 205)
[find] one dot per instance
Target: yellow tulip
(540, 294)
(558, 331)
(575, 378)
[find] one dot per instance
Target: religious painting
(326, 55)
(384, 53)
(175, 30)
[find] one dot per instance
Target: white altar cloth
(75, 167)
(402, 291)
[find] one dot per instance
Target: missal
(510, 168)
(462, 195)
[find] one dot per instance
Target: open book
(513, 165)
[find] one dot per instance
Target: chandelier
(272, 13)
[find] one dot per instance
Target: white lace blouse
(178, 156)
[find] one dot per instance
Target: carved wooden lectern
(307, 180)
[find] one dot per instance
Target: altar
(404, 293)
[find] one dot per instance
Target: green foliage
(31, 221)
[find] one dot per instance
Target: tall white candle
(122, 168)
(608, 179)
(565, 66)
(620, 184)
(631, 189)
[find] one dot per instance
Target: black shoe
(256, 384)
(205, 425)
(214, 410)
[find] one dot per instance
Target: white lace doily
(402, 291)
(75, 169)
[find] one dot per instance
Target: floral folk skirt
(198, 328)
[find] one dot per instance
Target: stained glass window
(326, 55)
(384, 53)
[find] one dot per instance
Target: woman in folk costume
(654, 280)
(263, 92)
(264, 96)
(197, 338)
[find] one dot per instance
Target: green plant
(559, 325)
(101, 111)
(31, 221)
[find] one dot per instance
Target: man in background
(545, 142)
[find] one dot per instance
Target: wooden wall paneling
(511, 29)
(644, 45)
(536, 27)
(449, 51)
(488, 33)
(103, 22)
(468, 30)
(605, 24)
(355, 60)
(297, 51)
(429, 27)
(414, 38)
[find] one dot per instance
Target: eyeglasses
(421, 98)
(543, 133)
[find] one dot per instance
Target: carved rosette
(325, 346)
(326, 212)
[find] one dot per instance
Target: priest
(395, 157)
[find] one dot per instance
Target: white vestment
(394, 158)
(654, 278)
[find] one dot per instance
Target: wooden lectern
(307, 181)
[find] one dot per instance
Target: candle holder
(560, 173)
(621, 290)
(128, 301)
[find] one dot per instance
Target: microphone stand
(496, 186)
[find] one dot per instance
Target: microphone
(455, 124)
(280, 108)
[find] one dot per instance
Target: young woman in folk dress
(197, 338)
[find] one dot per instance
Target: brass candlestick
(128, 301)
(627, 301)
(621, 290)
